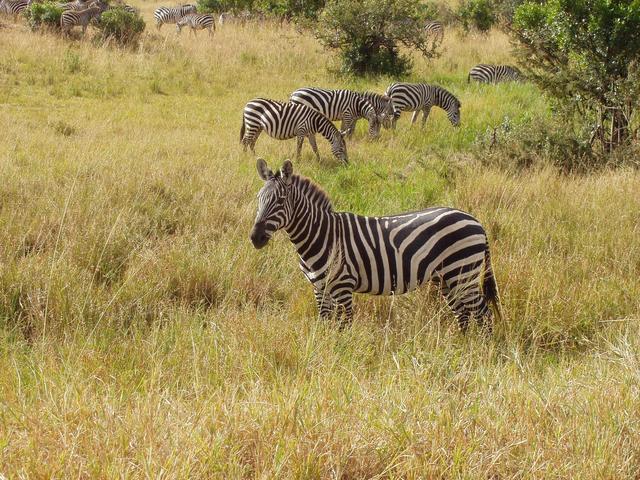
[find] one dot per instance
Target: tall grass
(142, 336)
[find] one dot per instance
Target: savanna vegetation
(141, 335)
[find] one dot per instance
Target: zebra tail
(490, 287)
(242, 129)
(469, 78)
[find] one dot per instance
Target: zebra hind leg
(414, 117)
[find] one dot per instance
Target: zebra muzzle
(259, 236)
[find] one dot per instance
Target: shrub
(477, 14)
(44, 13)
(368, 34)
(122, 26)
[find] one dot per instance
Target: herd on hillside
(342, 253)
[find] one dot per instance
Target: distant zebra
(344, 105)
(197, 21)
(127, 8)
(14, 7)
(289, 120)
(172, 15)
(72, 18)
(342, 253)
(435, 30)
(416, 97)
(76, 5)
(494, 73)
(225, 17)
(382, 105)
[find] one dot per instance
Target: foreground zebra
(494, 73)
(288, 120)
(382, 105)
(435, 30)
(197, 21)
(172, 15)
(342, 253)
(73, 18)
(417, 97)
(344, 105)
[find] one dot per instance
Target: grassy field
(141, 335)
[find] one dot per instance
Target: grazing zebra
(416, 97)
(288, 120)
(197, 21)
(172, 15)
(72, 18)
(435, 29)
(14, 7)
(382, 105)
(342, 253)
(494, 73)
(344, 105)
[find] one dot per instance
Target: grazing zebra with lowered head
(197, 21)
(435, 30)
(14, 7)
(494, 73)
(344, 105)
(172, 15)
(382, 105)
(289, 120)
(72, 18)
(342, 253)
(417, 97)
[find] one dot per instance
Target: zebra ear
(286, 171)
(263, 171)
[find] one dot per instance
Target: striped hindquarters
(435, 29)
(172, 15)
(493, 73)
(14, 7)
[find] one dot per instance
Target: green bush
(479, 15)
(369, 33)
(122, 26)
(44, 13)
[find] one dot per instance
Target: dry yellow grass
(142, 336)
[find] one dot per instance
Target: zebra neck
(312, 230)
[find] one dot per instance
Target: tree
(585, 54)
(368, 34)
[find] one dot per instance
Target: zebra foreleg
(314, 146)
(300, 139)
(348, 125)
(414, 117)
(425, 114)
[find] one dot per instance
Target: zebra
(342, 253)
(172, 15)
(288, 120)
(494, 73)
(416, 97)
(382, 105)
(226, 17)
(435, 29)
(72, 18)
(197, 21)
(76, 5)
(344, 105)
(14, 7)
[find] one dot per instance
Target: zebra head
(274, 206)
(453, 112)
(338, 145)
(387, 113)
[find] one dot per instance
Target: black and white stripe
(435, 30)
(344, 105)
(172, 15)
(197, 21)
(14, 7)
(420, 97)
(73, 18)
(289, 120)
(343, 253)
(382, 105)
(494, 73)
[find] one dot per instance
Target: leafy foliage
(369, 34)
(122, 26)
(585, 53)
(477, 14)
(43, 13)
(278, 8)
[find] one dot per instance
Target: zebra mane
(312, 191)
